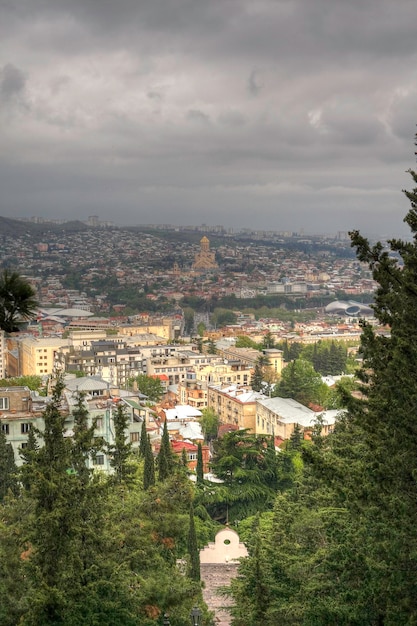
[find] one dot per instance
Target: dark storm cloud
(275, 113)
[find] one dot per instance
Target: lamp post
(195, 616)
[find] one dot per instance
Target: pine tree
(257, 378)
(149, 467)
(199, 469)
(194, 554)
(184, 458)
(28, 455)
(85, 444)
(348, 546)
(120, 451)
(143, 440)
(8, 470)
(296, 438)
(165, 459)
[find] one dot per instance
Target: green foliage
(34, 383)
(165, 458)
(257, 378)
(222, 317)
(211, 347)
(346, 532)
(119, 452)
(194, 554)
(18, 301)
(209, 421)
(246, 342)
(77, 548)
(199, 469)
(149, 466)
(300, 381)
(8, 470)
(143, 440)
(149, 386)
(249, 468)
(261, 373)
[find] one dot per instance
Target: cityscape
(208, 313)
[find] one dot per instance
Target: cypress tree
(84, 442)
(347, 532)
(143, 440)
(28, 456)
(149, 467)
(194, 554)
(199, 469)
(257, 377)
(8, 470)
(165, 460)
(121, 449)
(184, 458)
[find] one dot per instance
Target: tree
(120, 450)
(211, 347)
(248, 466)
(28, 456)
(8, 470)
(242, 341)
(194, 554)
(199, 469)
(150, 386)
(18, 301)
(300, 381)
(268, 341)
(143, 439)
(209, 422)
(165, 459)
(347, 533)
(257, 378)
(149, 466)
(32, 382)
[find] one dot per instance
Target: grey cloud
(254, 83)
(274, 112)
(194, 115)
(12, 81)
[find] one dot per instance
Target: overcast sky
(270, 114)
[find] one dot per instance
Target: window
(4, 404)
(99, 459)
(5, 428)
(25, 427)
(192, 456)
(99, 423)
(134, 437)
(23, 446)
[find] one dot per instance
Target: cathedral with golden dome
(205, 260)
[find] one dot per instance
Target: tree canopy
(18, 301)
(346, 535)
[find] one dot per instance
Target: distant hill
(12, 227)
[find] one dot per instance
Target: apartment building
(109, 359)
(249, 357)
(176, 362)
(193, 389)
(37, 355)
(279, 416)
(21, 410)
(235, 405)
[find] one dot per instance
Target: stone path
(215, 576)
